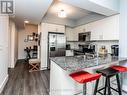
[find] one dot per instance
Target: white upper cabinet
(77, 30)
(69, 34)
(106, 29)
(55, 28)
(96, 33)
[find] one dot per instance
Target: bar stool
(119, 68)
(83, 77)
(108, 73)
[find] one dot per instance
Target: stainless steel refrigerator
(56, 45)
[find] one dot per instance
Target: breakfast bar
(62, 84)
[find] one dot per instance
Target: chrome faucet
(96, 49)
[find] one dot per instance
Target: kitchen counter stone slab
(76, 63)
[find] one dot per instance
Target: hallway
(21, 82)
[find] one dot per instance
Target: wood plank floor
(21, 82)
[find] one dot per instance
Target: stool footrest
(114, 89)
(100, 89)
(100, 93)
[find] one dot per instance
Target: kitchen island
(62, 84)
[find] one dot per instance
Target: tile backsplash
(107, 44)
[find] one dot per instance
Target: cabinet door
(105, 29)
(69, 34)
(55, 28)
(51, 28)
(77, 30)
(96, 33)
(111, 31)
(61, 28)
(75, 35)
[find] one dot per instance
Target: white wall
(123, 36)
(39, 47)
(13, 53)
(4, 27)
(123, 28)
(22, 35)
(44, 45)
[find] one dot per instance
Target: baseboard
(3, 84)
(44, 68)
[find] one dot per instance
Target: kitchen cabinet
(105, 29)
(55, 28)
(96, 33)
(69, 52)
(69, 34)
(45, 28)
(72, 33)
(77, 30)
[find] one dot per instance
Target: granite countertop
(76, 63)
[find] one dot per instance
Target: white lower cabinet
(69, 52)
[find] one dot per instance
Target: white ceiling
(35, 10)
(104, 7)
(73, 13)
(32, 10)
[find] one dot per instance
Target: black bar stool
(108, 73)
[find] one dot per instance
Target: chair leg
(84, 89)
(109, 90)
(118, 84)
(96, 87)
(105, 89)
(121, 81)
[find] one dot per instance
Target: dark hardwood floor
(21, 82)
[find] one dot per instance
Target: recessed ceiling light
(62, 14)
(26, 21)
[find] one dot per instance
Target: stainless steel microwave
(82, 37)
